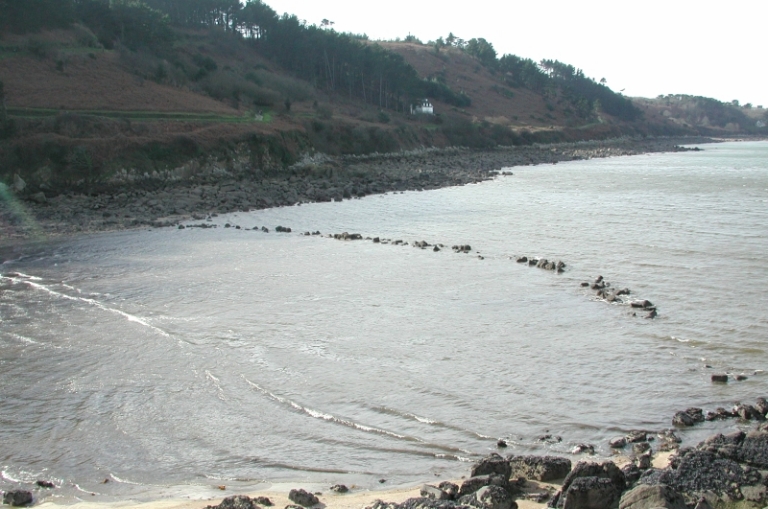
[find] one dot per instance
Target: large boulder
(493, 464)
(539, 468)
(591, 493)
(650, 497)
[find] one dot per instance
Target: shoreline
(195, 191)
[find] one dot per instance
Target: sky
(646, 48)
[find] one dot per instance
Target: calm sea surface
(176, 360)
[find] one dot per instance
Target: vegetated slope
(705, 115)
(492, 100)
(94, 81)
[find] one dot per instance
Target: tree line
(548, 77)
(332, 61)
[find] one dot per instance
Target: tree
(483, 51)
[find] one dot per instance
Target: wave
(328, 417)
(448, 452)
(30, 280)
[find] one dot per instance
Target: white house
(425, 107)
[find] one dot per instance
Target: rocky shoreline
(199, 188)
(648, 469)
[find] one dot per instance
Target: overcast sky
(647, 47)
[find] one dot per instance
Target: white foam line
(24, 339)
(328, 417)
(7, 477)
(215, 381)
(127, 316)
(421, 419)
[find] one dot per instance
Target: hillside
(492, 100)
(91, 88)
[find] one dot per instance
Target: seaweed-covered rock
(695, 472)
(493, 464)
(539, 468)
(748, 448)
(650, 497)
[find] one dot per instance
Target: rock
(644, 461)
(339, 488)
(644, 304)
(748, 412)
(522, 259)
(618, 442)
(651, 497)
(38, 198)
(181, 227)
(641, 447)
(682, 420)
(720, 378)
(591, 493)
(236, 502)
(607, 470)
(18, 498)
(449, 488)
(637, 436)
(584, 285)
(265, 229)
(473, 484)
(583, 448)
(493, 464)
(18, 184)
(501, 443)
(303, 498)
(433, 492)
(761, 405)
(631, 473)
(490, 497)
(539, 468)
(435, 249)
(265, 501)
(45, 484)
(699, 471)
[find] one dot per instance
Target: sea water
(172, 360)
